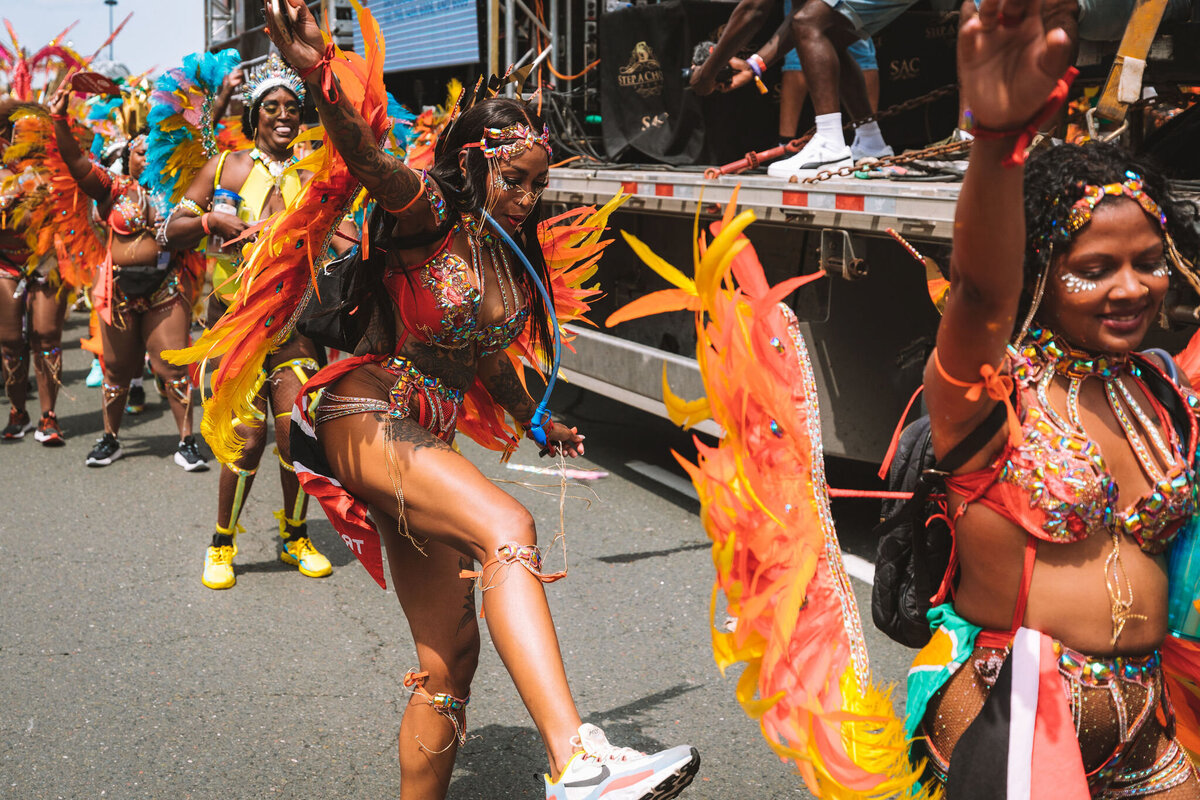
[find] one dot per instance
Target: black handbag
(914, 539)
(329, 317)
(138, 281)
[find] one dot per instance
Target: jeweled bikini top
(1055, 484)
(440, 300)
(131, 207)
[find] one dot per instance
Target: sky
(160, 34)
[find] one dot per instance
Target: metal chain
(891, 111)
(908, 105)
(933, 151)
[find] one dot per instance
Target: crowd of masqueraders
(371, 288)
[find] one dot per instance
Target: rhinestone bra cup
(447, 279)
(1062, 470)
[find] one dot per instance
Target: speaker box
(648, 112)
(916, 55)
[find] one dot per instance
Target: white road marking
(668, 479)
(856, 566)
(859, 567)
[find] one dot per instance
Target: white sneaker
(818, 154)
(619, 773)
(859, 151)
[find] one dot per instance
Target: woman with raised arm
(33, 305)
(453, 294)
(251, 186)
(145, 290)
(1050, 654)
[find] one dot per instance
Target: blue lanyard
(542, 414)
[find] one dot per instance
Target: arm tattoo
(387, 179)
(506, 389)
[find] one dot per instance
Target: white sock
(869, 137)
(135, 382)
(829, 128)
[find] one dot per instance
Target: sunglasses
(272, 107)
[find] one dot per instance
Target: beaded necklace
(274, 168)
(510, 297)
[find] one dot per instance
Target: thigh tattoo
(407, 431)
(469, 601)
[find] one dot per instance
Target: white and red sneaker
(600, 770)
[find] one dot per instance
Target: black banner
(916, 55)
(643, 50)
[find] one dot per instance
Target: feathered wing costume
(279, 270)
(765, 505)
(429, 124)
(183, 133)
(53, 212)
(1181, 649)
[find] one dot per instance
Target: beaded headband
(517, 139)
(1081, 212)
(271, 74)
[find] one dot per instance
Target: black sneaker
(18, 423)
(187, 455)
(106, 451)
(135, 401)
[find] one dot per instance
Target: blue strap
(541, 415)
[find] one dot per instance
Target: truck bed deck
(920, 210)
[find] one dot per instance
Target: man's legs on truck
(822, 31)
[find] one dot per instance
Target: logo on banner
(905, 69)
(643, 73)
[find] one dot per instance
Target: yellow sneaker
(301, 553)
(218, 567)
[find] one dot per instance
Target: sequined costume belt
(1106, 686)
(425, 398)
(1114, 778)
(1095, 672)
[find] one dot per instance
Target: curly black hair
(1055, 180)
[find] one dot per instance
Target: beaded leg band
(180, 389)
(49, 364)
(302, 368)
(445, 704)
(239, 494)
(112, 393)
(527, 555)
(12, 363)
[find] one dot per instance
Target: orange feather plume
(793, 619)
(53, 212)
(280, 267)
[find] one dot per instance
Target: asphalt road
(124, 677)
